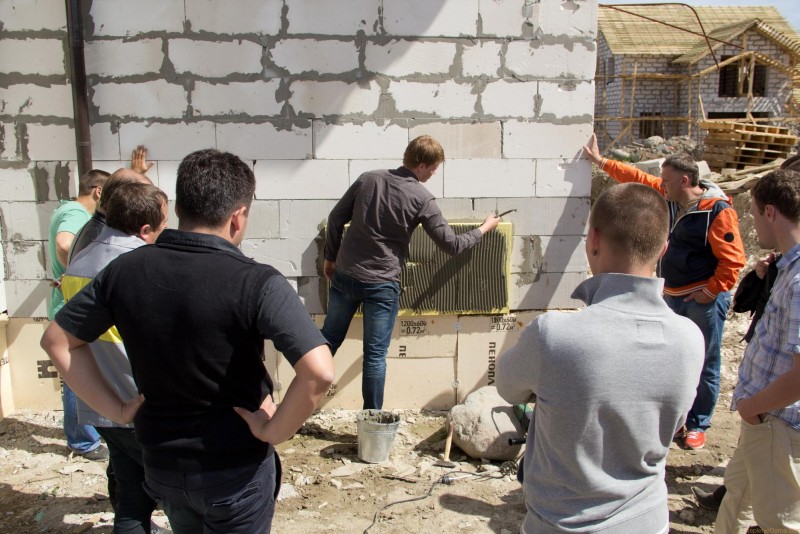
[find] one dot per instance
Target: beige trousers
(763, 480)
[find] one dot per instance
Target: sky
(790, 9)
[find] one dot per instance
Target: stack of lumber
(737, 145)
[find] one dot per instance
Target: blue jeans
(240, 500)
(80, 438)
(380, 303)
(710, 318)
(133, 506)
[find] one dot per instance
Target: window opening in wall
(651, 127)
(738, 114)
(729, 79)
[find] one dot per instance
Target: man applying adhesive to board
(363, 266)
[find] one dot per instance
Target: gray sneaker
(99, 454)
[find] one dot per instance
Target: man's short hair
(423, 150)
(121, 176)
(134, 204)
(211, 186)
(781, 189)
(684, 164)
(90, 180)
(634, 219)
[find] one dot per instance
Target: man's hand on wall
(139, 161)
(592, 151)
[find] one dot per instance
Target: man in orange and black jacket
(700, 267)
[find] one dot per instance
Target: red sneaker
(695, 439)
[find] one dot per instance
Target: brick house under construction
(657, 74)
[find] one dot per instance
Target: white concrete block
(446, 100)
(404, 58)
(334, 98)
(532, 254)
(490, 178)
(566, 99)
(264, 221)
(333, 17)
(205, 58)
(482, 59)
(358, 141)
(22, 15)
(308, 287)
(572, 18)
(264, 141)
(502, 18)
(300, 179)
(546, 216)
(33, 56)
(551, 61)
(17, 185)
(541, 140)
(105, 141)
(125, 18)
(291, 257)
(119, 58)
(53, 142)
(474, 140)
(26, 260)
(31, 100)
(509, 99)
(467, 209)
(304, 219)
(167, 141)
(8, 142)
(234, 16)
(27, 221)
(27, 298)
(158, 99)
(312, 55)
(55, 180)
(256, 98)
(547, 291)
(165, 177)
(431, 18)
(563, 178)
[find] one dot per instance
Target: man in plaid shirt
(763, 477)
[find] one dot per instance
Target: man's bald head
(120, 176)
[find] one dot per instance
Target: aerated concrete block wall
(311, 94)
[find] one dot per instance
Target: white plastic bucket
(376, 432)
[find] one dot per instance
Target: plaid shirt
(777, 339)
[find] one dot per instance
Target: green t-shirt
(70, 216)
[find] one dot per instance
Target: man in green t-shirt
(67, 219)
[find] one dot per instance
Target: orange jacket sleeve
(726, 244)
(628, 173)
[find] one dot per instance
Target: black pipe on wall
(80, 96)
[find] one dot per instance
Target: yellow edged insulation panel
(473, 282)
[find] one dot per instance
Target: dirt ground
(326, 487)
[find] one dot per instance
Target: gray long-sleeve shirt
(613, 383)
(383, 208)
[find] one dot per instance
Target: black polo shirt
(193, 312)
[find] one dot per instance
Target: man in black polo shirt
(194, 313)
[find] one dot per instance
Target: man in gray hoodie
(612, 383)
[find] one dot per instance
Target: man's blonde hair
(423, 150)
